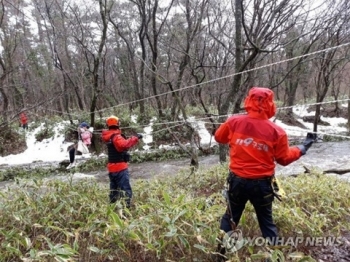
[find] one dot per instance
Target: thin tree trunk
(223, 110)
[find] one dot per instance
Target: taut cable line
(229, 76)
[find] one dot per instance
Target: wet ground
(323, 156)
(149, 170)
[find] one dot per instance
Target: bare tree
(11, 92)
(255, 34)
(54, 18)
(332, 59)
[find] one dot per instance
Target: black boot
(220, 254)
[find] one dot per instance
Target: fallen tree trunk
(328, 171)
(337, 171)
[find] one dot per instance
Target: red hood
(260, 102)
(106, 134)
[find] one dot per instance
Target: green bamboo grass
(172, 219)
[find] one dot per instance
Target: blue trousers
(260, 195)
(120, 188)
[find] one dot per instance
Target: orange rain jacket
(255, 142)
(121, 144)
(23, 118)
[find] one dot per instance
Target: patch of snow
(55, 149)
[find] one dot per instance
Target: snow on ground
(46, 150)
(49, 150)
(147, 136)
(55, 149)
(337, 124)
(205, 136)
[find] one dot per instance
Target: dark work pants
(260, 195)
(120, 187)
(72, 154)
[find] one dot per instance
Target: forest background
(96, 57)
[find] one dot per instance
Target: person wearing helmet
(255, 143)
(84, 135)
(118, 158)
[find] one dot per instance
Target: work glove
(310, 138)
(139, 136)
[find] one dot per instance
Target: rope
(195, 120)
(225, 77)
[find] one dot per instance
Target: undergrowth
(173, 219)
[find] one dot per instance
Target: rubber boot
(220, 254)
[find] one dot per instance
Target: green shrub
(45, 133)
(11, 141)
(172, 219)
(335, 138)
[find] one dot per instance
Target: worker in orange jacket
(256, 144)
(118, 158)
(23, 120)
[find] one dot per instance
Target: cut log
(328, 171)
(311, 119)
(337, 171)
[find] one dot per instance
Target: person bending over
(84, 135)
